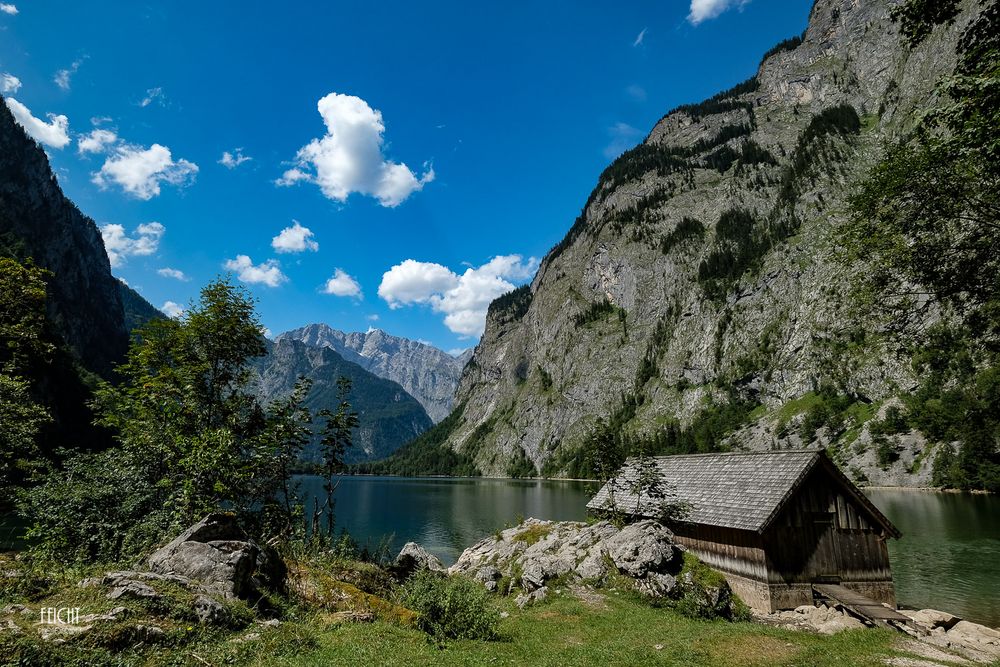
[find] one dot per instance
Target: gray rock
(215, 552)
(413, 557)
(209, 611)
(534, 596)
(129, 588)
(641, 548)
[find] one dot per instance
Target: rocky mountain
(428, 374)
(699, 299)
(136, 310)
(389, 417)
(38, 221)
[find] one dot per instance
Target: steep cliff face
(38, 221)
(428, 374)
(388, 416)
(703, 268)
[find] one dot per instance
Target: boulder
(932, 618)
(215, 552)
(641, 548)
(535, 553)
(413, 557)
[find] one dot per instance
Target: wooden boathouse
(775, 524)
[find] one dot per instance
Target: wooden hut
(774, 523)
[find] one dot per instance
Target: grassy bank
(318, 626)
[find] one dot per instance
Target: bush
(451, 608)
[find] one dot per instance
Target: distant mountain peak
(427, 373)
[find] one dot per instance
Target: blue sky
(390, 164)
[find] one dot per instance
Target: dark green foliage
(722, 159)
(512, 306)
(927, 223)
(336, 440)
(137, 310)
(830, 410)
(959, 401)
(521, 466)
(597, 312)
(544, 379)
(428, 454)
(814, 149)
(886, 452)
(192, 440)
(789, 44)
(917, 18)
(735, 249)
(722, 102)
(725, 133)
(636, 162)
(451, 607)
(752, 153)
(686, 230)
(609, 444)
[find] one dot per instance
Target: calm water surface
(949, 555)
(948, 558)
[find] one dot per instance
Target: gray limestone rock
(215, 552)
(413, 557)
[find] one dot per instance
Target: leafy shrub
(451, 608)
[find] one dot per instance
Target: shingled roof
(743, 490)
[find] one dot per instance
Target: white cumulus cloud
(120, 246)
(8, 8)
(267, 273)
(231, 160)
(342, 284)
(349, 157)
(294, 239)
(140, 171)
(703, 10)
(9, 83)
(171, 309)
(96, 141)
(54, 133)
(462, 299)
(176, 274)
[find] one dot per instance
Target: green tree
(23, 345)
(192, 438)
(338, 434)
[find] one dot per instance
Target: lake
(948, 558)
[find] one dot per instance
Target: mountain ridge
(388, 416)
(427, 373)
(698, 298)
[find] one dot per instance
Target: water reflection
(446, 515)
(949, 556)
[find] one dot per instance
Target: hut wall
(823, 535)
(738, 552)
